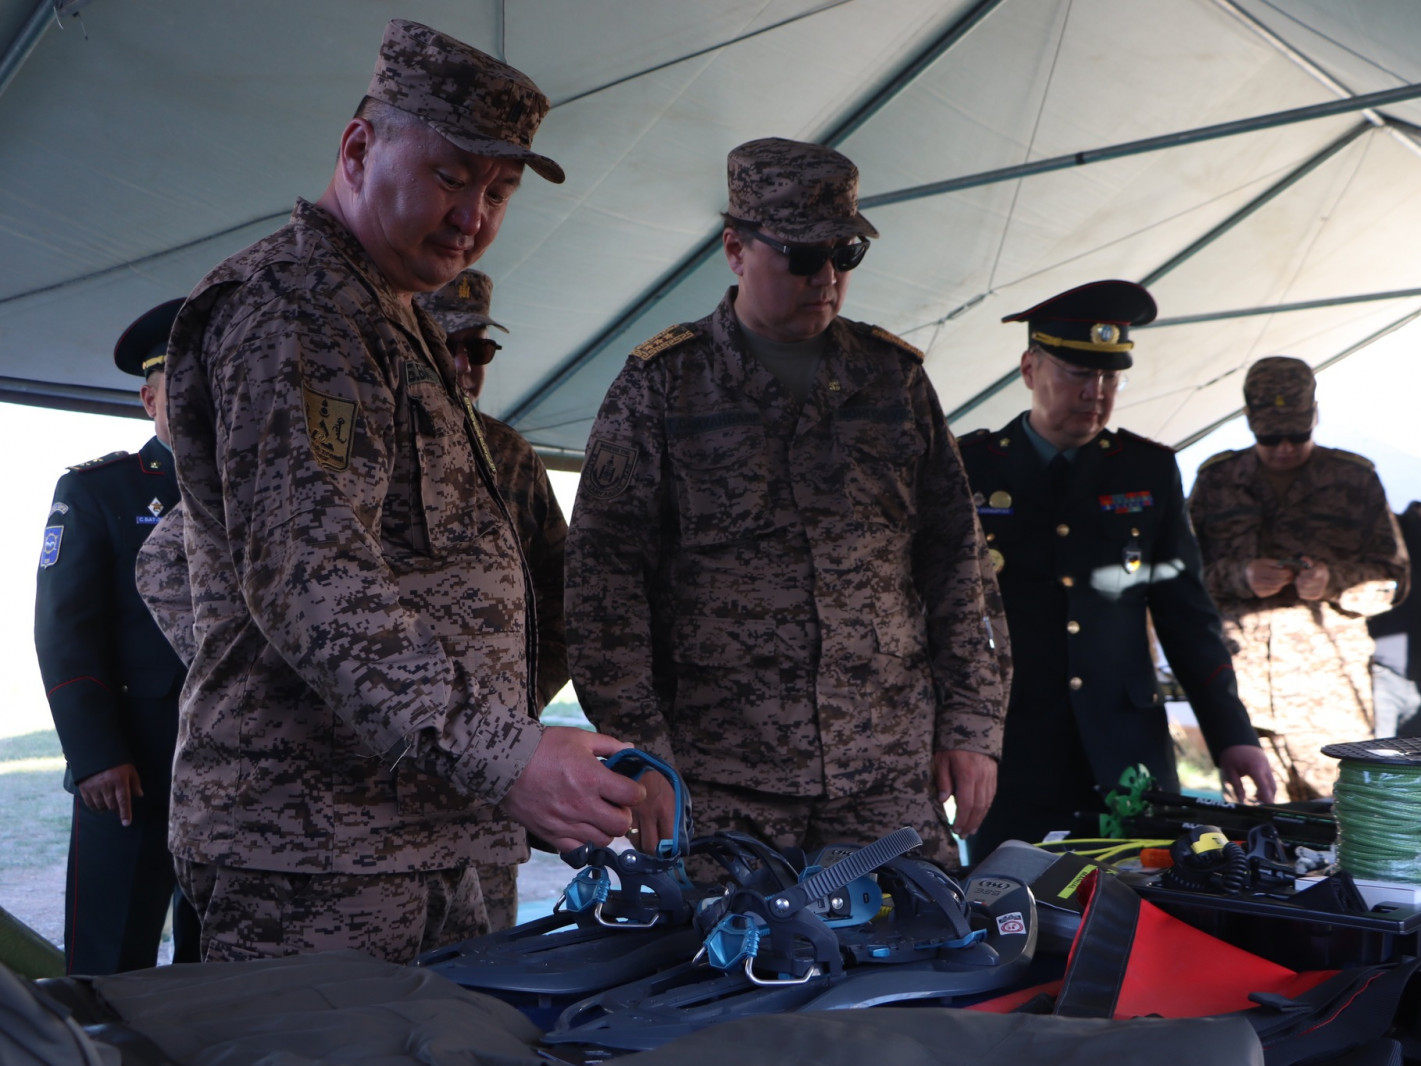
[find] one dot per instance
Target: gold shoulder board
(667, 338)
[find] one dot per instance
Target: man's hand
(566, 796)
(1266, 577)
(971, 777)
(654, 819)
(1312, 582)
(1246, 760)
(112, 790)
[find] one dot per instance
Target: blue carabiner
(735, 938)
(633, 762)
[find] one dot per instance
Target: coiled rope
(1378, 810)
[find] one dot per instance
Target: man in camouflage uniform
(1089, 535)
(461, 309)
(1300, 549)
(775, 577)
(361, 695)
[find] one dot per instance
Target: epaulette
(664, 341)
(1353, 457)
(1216, 459)
(977, 436)
(893, 339)
(1144, 440)
(103, 460)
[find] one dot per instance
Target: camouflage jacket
(1302, 665)
(523, 483)
(542, 530)
(786, 601)
(360, 691)
(1334, 511)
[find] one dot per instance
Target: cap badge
(1105, 333)
(465, 290)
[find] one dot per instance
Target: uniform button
(1068, 581)
(1155, 697)
(1073, 627)
(1076, 683)
(1134, 532)
(1063, 530)
(991, 537)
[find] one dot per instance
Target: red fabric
(1177, 971)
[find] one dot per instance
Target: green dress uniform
(1080, 563)
(112, 682)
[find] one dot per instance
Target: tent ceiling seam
(143, 260)
(691, 262)
(1030, 144)
(718, 46)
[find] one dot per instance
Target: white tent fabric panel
(147, 139)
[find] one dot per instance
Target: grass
(35, 829)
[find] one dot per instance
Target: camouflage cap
(462, 304)
(795, 191)
(1280, 394)
(143, 348)
(479, 103)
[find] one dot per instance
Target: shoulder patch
(103, 460)
(664, 341)
(1216, 459)
(330, 427)
(1353, 457)
(608, 469)
(897, 342)
(1137, 439)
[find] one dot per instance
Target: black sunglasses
(806, 260)
(478, 350)
(1272, 440)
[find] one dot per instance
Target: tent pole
(24, 42)
(1277, 188)
(1282, 309)
(1149, 144)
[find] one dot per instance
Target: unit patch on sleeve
(608, 470)
(49, 555)
(1127, 502)
(330, 425)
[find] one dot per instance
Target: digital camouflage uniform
(787, 602)
(524, 486)
(1303, 666)
(360, 694)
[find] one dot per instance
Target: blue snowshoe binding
(838, 939)
(623, 916)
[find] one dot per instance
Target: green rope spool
(1377, 803)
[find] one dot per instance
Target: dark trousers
(118, 890)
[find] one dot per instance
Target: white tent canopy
(143, 140)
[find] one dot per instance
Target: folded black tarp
(347, 1008)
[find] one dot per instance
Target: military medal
(1132, 555)
(1000, 499)
(998, 559)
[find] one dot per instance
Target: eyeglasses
(1079, 376)
(478, 350)
(1272, 440)
(806, 260)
